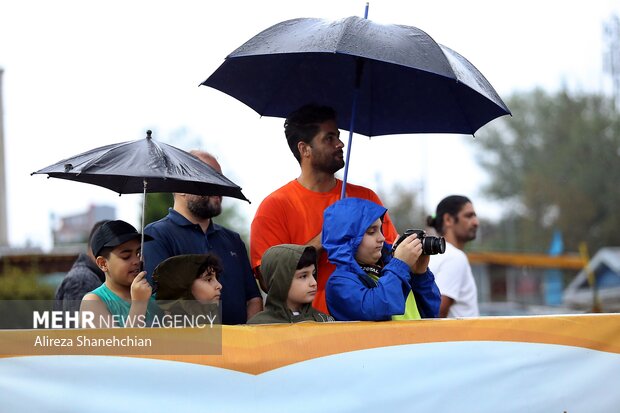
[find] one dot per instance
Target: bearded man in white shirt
(455, 219)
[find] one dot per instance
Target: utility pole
(611, 55)
(4, 239)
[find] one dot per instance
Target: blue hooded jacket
(353, 295)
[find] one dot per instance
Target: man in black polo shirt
(189, 229)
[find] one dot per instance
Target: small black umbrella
(381, 79)
(142, 166)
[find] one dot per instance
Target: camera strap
(372, 274)
(372, 270)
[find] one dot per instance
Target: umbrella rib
(124, 173)
(344, 28)
(455, 95)
(312, 61)
(93, 161)
(460, 105)
(124, 187)
(335, 51)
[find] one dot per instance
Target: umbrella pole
(359, 68)
(346, 162)
(358, 78)
(142, 229)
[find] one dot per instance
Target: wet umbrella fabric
(127, 167)
(142, 166)
(400, 79)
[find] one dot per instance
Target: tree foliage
(557, 163)
(404, 207)
(232, 218)
(157, 205)
(16, 284)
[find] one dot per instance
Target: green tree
(404, 207)
(232, 218)
(556, 163)
(157, 205)
(16, 284)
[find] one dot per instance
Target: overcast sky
(82, 74)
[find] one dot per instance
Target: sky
(83, 74)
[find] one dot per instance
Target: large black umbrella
(381, 79)
(142, 166)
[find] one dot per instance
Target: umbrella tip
(148, 134)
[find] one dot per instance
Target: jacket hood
(175, 275)
(344, 225)
(278, 266)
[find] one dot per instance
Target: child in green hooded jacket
(289, 272)
(188, 285)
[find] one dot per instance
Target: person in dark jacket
(83, 277)
(189, 285)
(289, 272)
(369, 284)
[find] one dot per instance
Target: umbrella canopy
(144, 165)
(381, 79)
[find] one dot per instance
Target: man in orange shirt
(293, 214)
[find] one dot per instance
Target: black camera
(430, 245)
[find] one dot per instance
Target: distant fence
(48, 263)
(524, 279)
(562, 262)
(39, 263)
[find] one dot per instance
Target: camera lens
(433, 245)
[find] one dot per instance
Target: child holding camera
(369, 284)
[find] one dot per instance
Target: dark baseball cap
(113, 234)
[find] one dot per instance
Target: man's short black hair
(303, 124)
(449, 205)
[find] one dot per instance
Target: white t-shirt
(455, 280)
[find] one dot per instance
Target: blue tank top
(120, 308)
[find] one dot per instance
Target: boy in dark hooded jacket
(189, 285)
(368, 283)
(289, 272)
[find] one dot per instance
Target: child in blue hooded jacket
(368, 283)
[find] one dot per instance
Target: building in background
(73, 231)
(514, 283)
(4, 238)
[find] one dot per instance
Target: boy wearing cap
(125, 296)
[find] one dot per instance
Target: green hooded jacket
(278, 267)
(175, 276)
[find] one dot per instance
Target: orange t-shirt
(294, 215)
